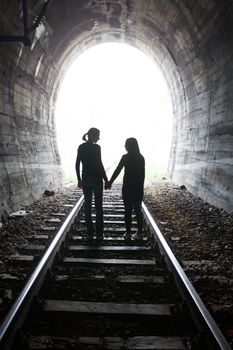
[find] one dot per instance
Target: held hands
(108, 185)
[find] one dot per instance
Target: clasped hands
(107, 185)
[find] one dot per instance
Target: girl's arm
(143, 164)
(104, 176)
(77, 167)
(117, 171)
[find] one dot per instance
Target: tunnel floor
(194, 228)
(199, 234)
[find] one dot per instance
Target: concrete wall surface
(191, 41)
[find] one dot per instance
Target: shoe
(137, 236)
(127, 236)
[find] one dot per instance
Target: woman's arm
(77, 167)
(143, 168)
(104, 176)
(117, 171)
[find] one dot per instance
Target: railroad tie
(109, 261)
(107, 308)
(108, 248)
(140, 342)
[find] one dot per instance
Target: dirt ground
(195, 230)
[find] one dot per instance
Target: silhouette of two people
(93, 174)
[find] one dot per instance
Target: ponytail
(91, 131)
(84, 137)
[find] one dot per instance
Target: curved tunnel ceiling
(118, 21)
(189, 40)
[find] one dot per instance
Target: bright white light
(119, 90)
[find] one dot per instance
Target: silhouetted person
(133, 185)
(93, 173)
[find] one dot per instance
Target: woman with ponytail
(93, 173)
(133, 185)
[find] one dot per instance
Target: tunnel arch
(191, 42)
(159, 54)
(120, 90)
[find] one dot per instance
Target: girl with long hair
(133, 185)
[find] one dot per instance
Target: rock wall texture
(29, 161)
(191, 41)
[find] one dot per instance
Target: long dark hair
(131, 145)
(91, 131)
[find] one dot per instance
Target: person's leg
(87, 191)
(137, 204)
(98, 192)
(128, 211)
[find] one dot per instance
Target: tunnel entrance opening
(118, 89)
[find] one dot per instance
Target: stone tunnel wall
(29, 158)
(29, 161)
(202, 149)
(191, 42)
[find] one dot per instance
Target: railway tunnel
(190, 41)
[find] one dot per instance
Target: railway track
(114, 294)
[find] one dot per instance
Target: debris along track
(116, 294)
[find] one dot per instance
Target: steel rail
(13, 320)
(211, 325)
